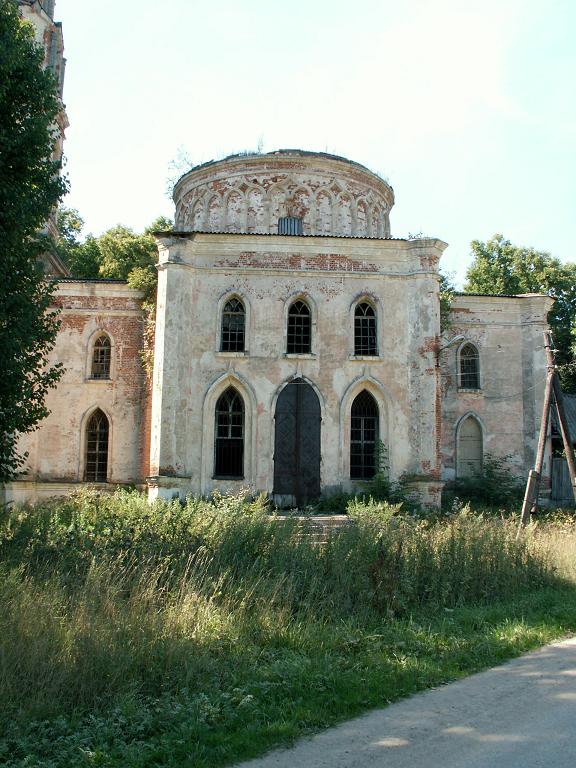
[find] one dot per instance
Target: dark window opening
(97, 431)
(299, 329)
(233, 325)
(365, 330)
(469, 367)
(101, 355)
(364, 437)
(229, 437)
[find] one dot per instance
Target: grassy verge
(132, 636)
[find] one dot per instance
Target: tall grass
(105, 596)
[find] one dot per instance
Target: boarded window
(101, 355)
(469, 448)
(229, 436)
(363, 436)
(365, 330)
(299, 329)
(97, 431)
(233, 326)
(469, 367)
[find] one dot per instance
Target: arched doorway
(297, 444)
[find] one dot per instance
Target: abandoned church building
(294, 336)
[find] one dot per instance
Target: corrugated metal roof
(188, 232)
(498, 295)
(570, 410)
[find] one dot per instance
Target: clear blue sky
(468, 109)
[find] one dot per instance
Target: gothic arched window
(229, 435)
(363, 436)
(233, 326)
(365, 329)
(469, 367)
(101, 356)
(299, 339)
(97, 431)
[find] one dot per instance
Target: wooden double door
(297, 445)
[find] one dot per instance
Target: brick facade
(57, 450)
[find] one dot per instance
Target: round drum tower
(284, 192)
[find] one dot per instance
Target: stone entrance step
(319, 527)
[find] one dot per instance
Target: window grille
(290, 225)
(299, 329)
(229, 436)
(365, 330)
(233, 326)
(97, 431)
(101, 358)
(363, 437)
(469, 367)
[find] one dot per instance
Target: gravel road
(519, 715)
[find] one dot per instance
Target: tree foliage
(501, 267)
(447, 291)
(29, 189)
(119, 253)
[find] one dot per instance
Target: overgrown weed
(220, 610)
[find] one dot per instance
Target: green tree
(30, 187)
(122, 250)
(119, 253)
(501, 267)
(82, 257)
(70, 225)
(447, 291)
(160, 224)
(126, 255)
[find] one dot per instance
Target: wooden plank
(561, 485)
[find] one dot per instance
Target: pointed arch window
(299, 337)
(97, 433)
(365, 329)
(363, 437)
(229, 436)
(469, 367)
(469, 448)
(233, 326)
(101, 357)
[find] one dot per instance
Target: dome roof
(326, 194)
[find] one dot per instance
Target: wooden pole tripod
(552, 398)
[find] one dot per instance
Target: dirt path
(519, 715)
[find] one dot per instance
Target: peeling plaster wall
(56, 449)
(198, 272)
(507, 332)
